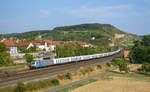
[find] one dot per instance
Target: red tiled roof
(10, 43)
(25, 43)
(84, 43)
(38, 42)
(48, 41)
(56, 42)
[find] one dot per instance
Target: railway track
(22, 76)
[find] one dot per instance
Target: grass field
(118, 82)
(116, 85)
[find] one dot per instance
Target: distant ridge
(81, 32)
(94, 26)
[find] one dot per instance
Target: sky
(16, 16)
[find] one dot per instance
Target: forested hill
(104, 34)
(85, 27)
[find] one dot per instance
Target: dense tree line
(84, 27)
(74, 49)
(141, 50)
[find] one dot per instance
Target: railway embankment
(26, 77)
(63, 79)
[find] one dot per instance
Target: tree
(55, 82)
(141, 50)
(2, 47)
(122, 64)
(20, 87)
(32, 49)
(4, 56)
(145, 67)
(139, 54)
(146, 40)
(74, 49)
(29, 58)
(25, 50)
(68, 76)
(21, 48)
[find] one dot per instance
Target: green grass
(77, 86)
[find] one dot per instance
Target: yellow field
(115, 82)
(116, 85)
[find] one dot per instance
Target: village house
(46, 45)
(50, 45)
(84, 44)
(11, 46)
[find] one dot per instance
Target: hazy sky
(131, 16)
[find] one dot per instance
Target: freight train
(45, 63)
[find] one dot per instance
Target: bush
(145, 67)
(68, 76)
(115, 62)
(139, 69)
(99, 66)
(122, 64)
(90, 69)
(20, 87)
(55, 82)
(29, 58)
(108, 64)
